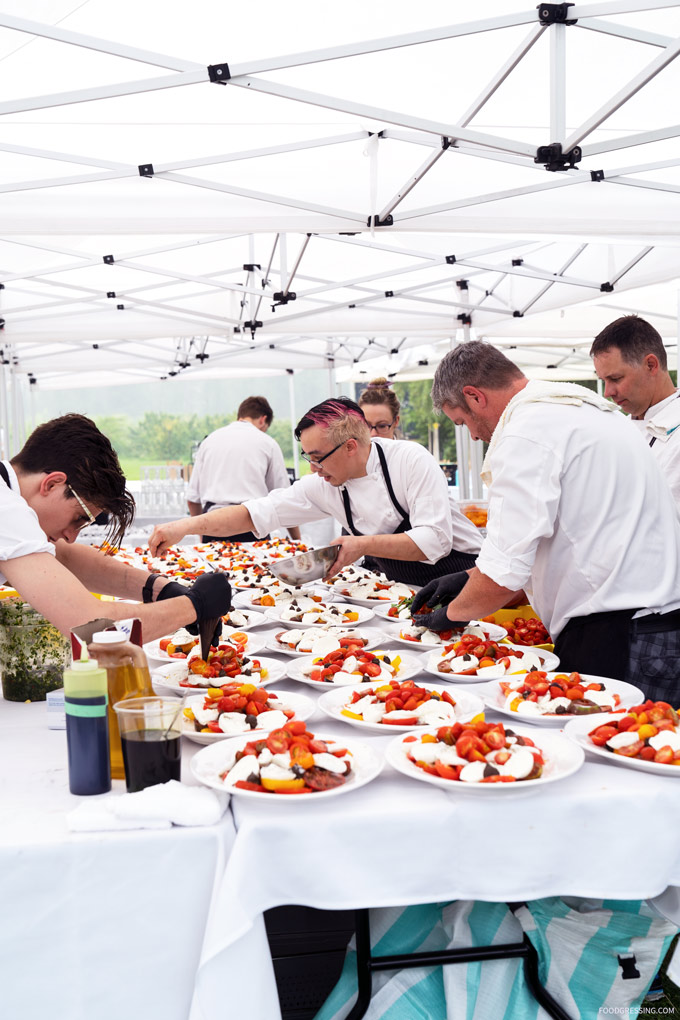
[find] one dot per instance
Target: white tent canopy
(352, 187)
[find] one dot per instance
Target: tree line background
(158, 437)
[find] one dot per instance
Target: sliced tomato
(243, 784)
(278, 741)
(447, 771)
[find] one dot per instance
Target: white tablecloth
(100, 925)
(141, 919)
(607, 831)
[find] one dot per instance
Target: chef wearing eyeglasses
(66, 477)
(391, 497)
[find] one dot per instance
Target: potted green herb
(33, 653)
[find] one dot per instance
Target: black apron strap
(598, 644)
(408, 571)
(245, 536)
(4, 474)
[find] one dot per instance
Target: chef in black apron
(409, 571)
(375, 489)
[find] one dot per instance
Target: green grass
(132, 467)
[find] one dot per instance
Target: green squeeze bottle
(87, 727)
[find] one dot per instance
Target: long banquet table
(149, 919)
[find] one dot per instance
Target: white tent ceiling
(374, 195)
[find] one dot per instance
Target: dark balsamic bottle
(87, 728)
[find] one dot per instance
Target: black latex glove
(439, 592)
(172, 590)
(210, 596)
(438, 620)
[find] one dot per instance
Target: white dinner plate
(275, 672)
(386, 600)
(373, 640)
(255, 643)
(207, 765)
(560, 762)
(408, 668)
(493, 697)
(299, 703)
(243, 599)
(253, 619)
(495, 633)
(332, 702)
(549, 661)
(577, 730)
(155, 655)
(364, 615)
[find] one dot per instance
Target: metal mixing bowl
(305, 566)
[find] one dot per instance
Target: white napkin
(157, 807)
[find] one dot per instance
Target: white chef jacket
(580, 515)
(20, 531)
(419, 485)
(236, 463)
(660, 429)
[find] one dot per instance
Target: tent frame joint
(555, 14)
(555, 159)
(375, 221)
(219, 73)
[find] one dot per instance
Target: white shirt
(236, 463)
(20, 531)
(419, 485)
(580, 515)
(662, 424)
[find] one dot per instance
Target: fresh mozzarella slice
(344, 678)
(520, 764)
(233, 722)
(434, 713)
(527, 707)
(242, 769)
(603, 698)
(323, 644)
(330, 762)
(624, 739)
(472, 772)
(204, 715)
(447, 756)
(491, 672)
(271, 720)
(458, 663)
(374, 712)
(274, 771)
(665, 738)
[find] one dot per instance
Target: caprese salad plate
(299, 614)
(319, 641)
(485, 757)
(290, 765)
(552, 699)
(347, 668)
(207, 718)
(486, 660)
(644, 737)
(396, 706)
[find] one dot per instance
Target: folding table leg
(366, 964)
(362, 940)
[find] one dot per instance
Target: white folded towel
(157, 807)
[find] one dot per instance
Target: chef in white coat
(630, 358)
(580, 517)
(392, 499)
